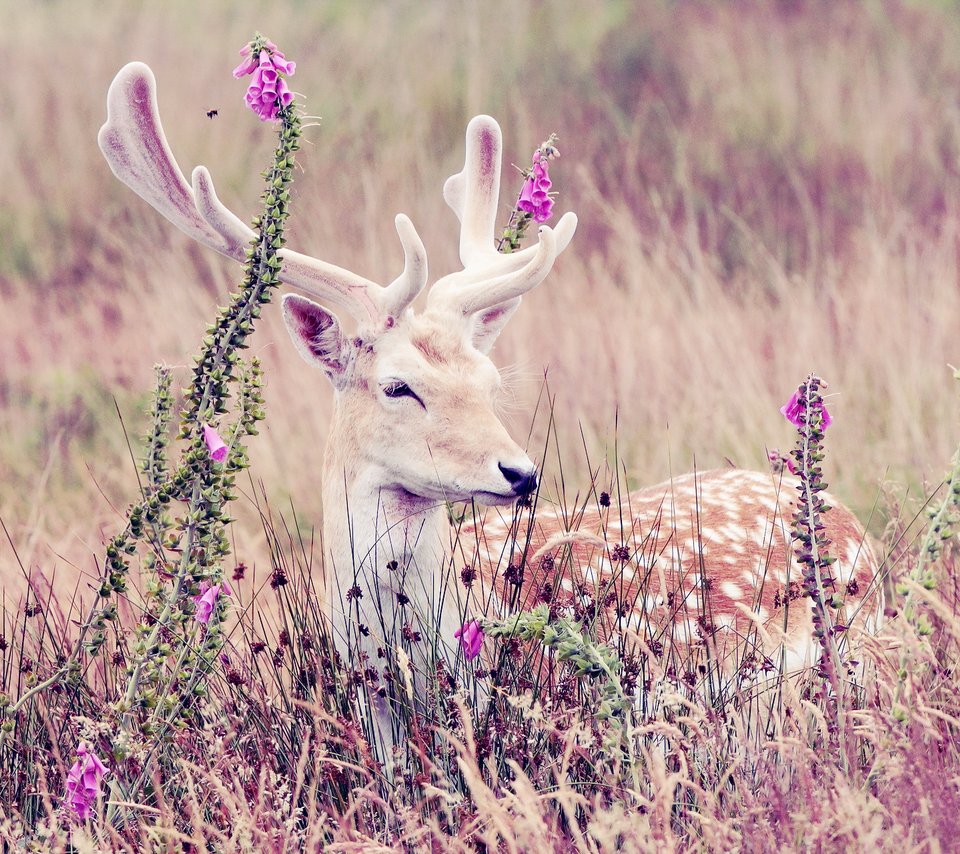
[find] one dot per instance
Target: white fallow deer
(415, 427)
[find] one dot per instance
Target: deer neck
(368, 524)
(379, 538)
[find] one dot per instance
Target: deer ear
(489, 323)
(317, 335)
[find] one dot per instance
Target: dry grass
(272, 762)
(764, 190)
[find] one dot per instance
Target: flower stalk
(944, 520)
(806, 411)
(567, 640)
(201, 540)
(83, 781)
(179, 637)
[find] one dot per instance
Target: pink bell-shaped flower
(471, 637)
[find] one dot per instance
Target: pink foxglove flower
(206, 599)
(268, 90)
(471, 638)
(215, 445)
(793, 409)
(534, 196)
(778, 462)
(83, 781)
(248, 65)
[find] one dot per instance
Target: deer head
(417, 390)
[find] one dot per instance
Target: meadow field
(764, 190)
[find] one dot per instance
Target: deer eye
(398, 388)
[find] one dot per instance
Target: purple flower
(83, 781)
(215, 445)
(268, 91)
(281, 63)
(206, 599)
(794, 408)
(248, 65)
(534, 198)
(471, 638)
(778, 462)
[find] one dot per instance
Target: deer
(415, 429)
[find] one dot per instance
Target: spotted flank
(701, 561)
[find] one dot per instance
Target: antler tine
(332, 284)
(327, 281)
(473, 195)
(477, 296)
(490, 278)
(474, 192)
(503, 263)
(133, 143)
(404, 289)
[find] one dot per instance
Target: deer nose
(523, 481)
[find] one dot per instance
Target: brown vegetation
(764, 190)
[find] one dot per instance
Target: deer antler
(489, 277)
(133, 142)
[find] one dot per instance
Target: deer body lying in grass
(692, 573)
(415, 427)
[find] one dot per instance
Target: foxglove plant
(83, 781)
(267, 93)
(535, 202)
(795, 408)
(210, 461)
(471, 637)
(535, 195)
(215, 445)
(806, 411)
(944, 522)
(206, 600)
(568, 642)
(183, 552)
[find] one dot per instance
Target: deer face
(416, 401)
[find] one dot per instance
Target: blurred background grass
(764, 189)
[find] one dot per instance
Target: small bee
(212, 114)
